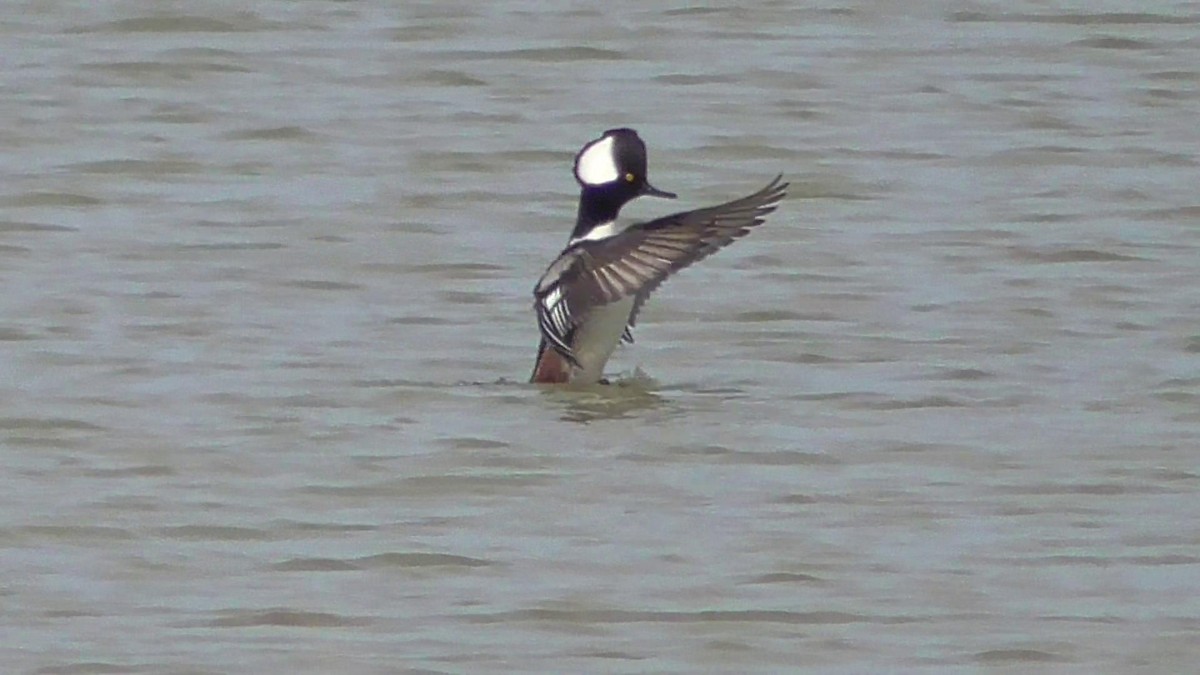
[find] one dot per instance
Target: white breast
(601, 231)
(596, 339)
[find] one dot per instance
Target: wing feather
(637, 260)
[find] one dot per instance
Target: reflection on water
(620, 398)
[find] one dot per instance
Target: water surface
(266, 324)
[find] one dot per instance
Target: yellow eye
(628, 178)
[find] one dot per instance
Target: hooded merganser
(589, 297)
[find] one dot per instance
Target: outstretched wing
(637, 260)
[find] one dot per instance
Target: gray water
(266, 325)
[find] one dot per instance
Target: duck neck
(597, 206)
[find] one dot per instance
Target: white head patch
(596, 164)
